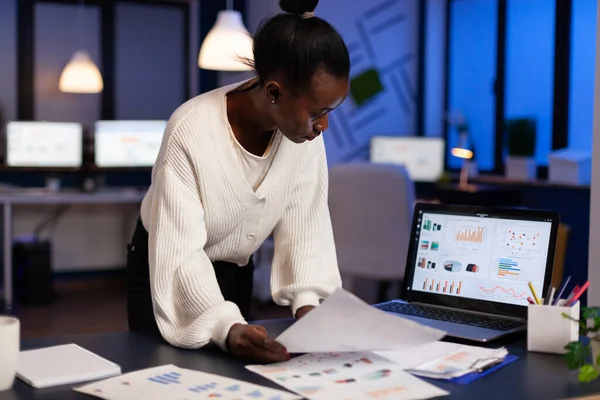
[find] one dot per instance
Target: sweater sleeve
(305, 268)
(188, 305)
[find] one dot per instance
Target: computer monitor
(423, 157)
(480, 257)
(35, 144)
(127, 144)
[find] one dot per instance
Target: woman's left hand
(302, 311)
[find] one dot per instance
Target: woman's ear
(273, 91)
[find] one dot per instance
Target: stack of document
(443, 360)
(61, 365)
(348, 375)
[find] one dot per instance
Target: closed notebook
(62, 365)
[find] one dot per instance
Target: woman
(235, 165)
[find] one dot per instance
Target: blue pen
(562, 289)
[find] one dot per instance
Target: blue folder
(473, 376)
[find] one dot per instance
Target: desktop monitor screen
(44, 144)
(422, 157)
(127, 143)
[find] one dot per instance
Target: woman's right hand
(252, 343)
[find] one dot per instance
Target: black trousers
(236, 284)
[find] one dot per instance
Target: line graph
(500, 292)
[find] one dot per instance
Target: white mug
(9, 350)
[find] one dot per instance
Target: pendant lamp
(227, 43)
(81, 75)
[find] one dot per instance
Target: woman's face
(304, 116)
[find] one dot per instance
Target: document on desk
(169, 382)
(343, 322)
(348, 376)
(443, 360)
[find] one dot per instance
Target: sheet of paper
(460, 362)
(343, 322)
(347, 376)
(419, 355)
(169, 382)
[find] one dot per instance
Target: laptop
(468, 268)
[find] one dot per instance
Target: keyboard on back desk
(440, 314)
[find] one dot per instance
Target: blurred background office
(485, 102)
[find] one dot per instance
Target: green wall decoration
(365, 86)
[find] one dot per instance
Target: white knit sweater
(200, 208)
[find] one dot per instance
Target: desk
(43, 197)
(533, 376)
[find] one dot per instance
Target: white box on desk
(548, 330)
(570, 167)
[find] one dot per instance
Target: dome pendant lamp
(81, 75)
(227, 43)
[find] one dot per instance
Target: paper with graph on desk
(443, 360)
(169, 382)
(343, 322)
(347, 376)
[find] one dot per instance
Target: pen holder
(548, 331)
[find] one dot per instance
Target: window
(530, 67)
(471, 74)
(581, 102)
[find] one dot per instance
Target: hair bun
(298, 7)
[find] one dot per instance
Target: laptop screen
(481, 257)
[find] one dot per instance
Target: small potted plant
(584, 355)
(521, 140)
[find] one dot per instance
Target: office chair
(371, 207)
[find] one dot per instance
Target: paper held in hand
(343, 322)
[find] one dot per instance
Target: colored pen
(579, 293)
(535, 297)
(550, 296)
(562, 289)
(573, 293)
(530, 300)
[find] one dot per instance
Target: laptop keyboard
(439, 314)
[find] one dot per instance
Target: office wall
(8, 57)
(381, 35)
(594, 257)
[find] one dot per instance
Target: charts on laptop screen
(127, 143)
(490, 259)
(44, 144)
(422, 157)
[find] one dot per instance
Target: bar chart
(507, 267)
(469, 235)
(442, 286)
(431, 226)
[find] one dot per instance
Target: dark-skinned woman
(237, 164)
